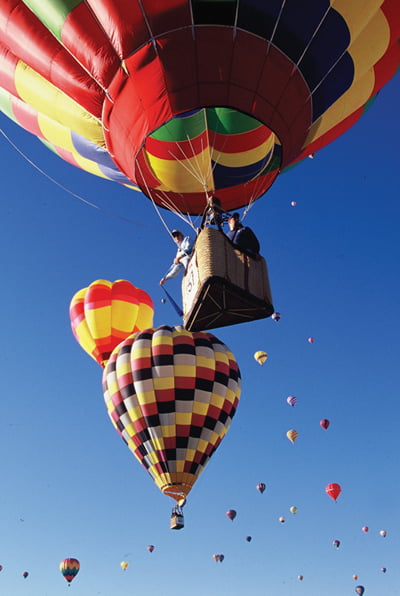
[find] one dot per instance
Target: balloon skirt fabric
(171, 395)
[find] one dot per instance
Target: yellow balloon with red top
(105, 313)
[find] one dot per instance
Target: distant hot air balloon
(261, 487)
(336, 543)
(69, 569)
(25, 574)
(300, 577)
(231, 514)
(166, 374)
(365, 529)
(355, 576)
(333, 490)
(383, 569)
(359, 590)
(324, 423)
(1, 567)
(282, 520)
(292, 435)
(276, 316)
(150, 548)
(293, 510)
(293, 203)
(124, 565)
(260, 356)
(291, 400)
(383, 533)
(218, 558)
(248, 538)
(311, 340)
(105, 313)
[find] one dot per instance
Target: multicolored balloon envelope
(239, 89)
(231, 514)
(105, 313)
(261, 487)
(124, 565)
(359, 590)
(171, 395)
(69, 568)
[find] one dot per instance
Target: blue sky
(70, 486)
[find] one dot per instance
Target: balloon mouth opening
(178, 493)
(208, 150)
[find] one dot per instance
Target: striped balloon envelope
(69, 569)
(260, 356)
(171, 395)
(292, 435)
(105, 313)
(240, 89)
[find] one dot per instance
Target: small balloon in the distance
(324, 423)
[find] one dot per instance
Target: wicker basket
(222, 285)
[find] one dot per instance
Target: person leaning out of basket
(185, 248)
(242, 237)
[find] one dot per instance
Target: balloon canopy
(69, 568)
(239, 89)
(105, 313)
(333, 490)
(171, 395)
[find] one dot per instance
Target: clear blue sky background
(70, 486)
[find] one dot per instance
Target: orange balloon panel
(105, 313)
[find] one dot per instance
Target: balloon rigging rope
(67, 190)
(187, 220)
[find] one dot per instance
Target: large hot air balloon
(239, 89)
(105, 313)
(69, 569)
(359, 590)
(171, 395)
(333, 490)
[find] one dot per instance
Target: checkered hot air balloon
(171, 395)
(69, 569)
(240, 89)
(105, 313)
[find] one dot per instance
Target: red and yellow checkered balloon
(105, 313)
(171, 395)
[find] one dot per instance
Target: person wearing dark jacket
(242, 237)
